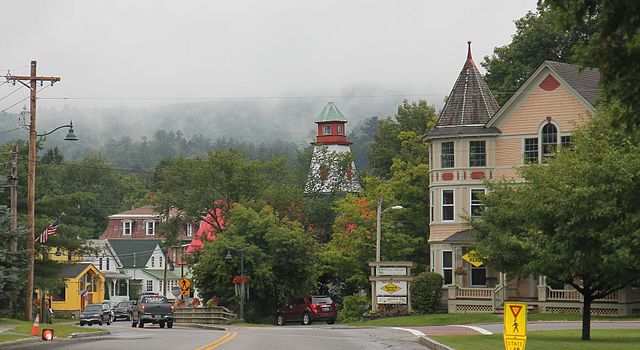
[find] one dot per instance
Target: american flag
(49, 231)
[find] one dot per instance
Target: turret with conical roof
(332, 128)
(470, 101)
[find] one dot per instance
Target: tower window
(447, 155)
(324, 172)
(326, 129)
(340, 129)
(477, 153)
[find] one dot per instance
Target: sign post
(515, 326)
(390, 283)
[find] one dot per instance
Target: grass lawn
(618, 339)
(11, 337)
(431, 320)
(447, 319)
(60, 329)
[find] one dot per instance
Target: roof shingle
(586, 81)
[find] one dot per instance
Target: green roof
(125, 249)
(159, 274)
(330, 113)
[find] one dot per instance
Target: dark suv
(308, 309)
(95, 313)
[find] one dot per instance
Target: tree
(574, 220)
(13, 265)
(417, 117)
(537, 39)
(279, 257)
(614, 48)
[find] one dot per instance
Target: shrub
(353, 307)
(426, 292)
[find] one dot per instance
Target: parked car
(123, 310)
(96, 313)
(308, 309)
(152, 309)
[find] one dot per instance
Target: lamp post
(229, 257)
(378, 228)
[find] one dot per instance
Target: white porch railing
(474, 293)
(574, 295)
(497, 298)
(563, 294)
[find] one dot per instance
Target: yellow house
(83, 285)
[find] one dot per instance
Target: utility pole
(14, 197)
(33, 79)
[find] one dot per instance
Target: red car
(308, 309)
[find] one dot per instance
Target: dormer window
(126, 228)
(326, 129)
(150, 228)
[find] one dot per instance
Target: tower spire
(469, 63)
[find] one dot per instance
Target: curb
(432, 344)
(30, 343)
(202, 326)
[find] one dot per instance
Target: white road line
(477, 329)
(412, 331)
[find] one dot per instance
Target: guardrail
(204, 315)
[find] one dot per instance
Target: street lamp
(229, 257)
(378, 228)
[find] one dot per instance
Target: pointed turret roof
(330, 113)
(470, 101)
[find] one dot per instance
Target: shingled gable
(584, 84)
(126, 247)
(469, 106)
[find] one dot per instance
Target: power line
(11, 93)
(42, 88)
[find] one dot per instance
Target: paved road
(314, 337)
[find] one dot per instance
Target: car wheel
(169, 324)
(100, 323)
(306, 319)
(109, 321)
(141, 324)
(161, 324)
(81, 324)
(331, 321)
(280, 320)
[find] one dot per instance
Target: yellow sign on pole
(473, 258)
(184, 283)
(515, 326)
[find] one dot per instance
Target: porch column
(542, 288)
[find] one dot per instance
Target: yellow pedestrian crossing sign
(184, 284)
(515, 326)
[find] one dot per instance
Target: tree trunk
(586, 318)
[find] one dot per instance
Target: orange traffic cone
(35, 330)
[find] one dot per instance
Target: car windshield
(321, 300)
(93, 308)
(154, 300)
(123, 304)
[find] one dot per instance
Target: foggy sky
(179, 51)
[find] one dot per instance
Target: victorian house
(474, 141)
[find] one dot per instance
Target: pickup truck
(154, 309)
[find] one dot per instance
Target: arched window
(549, 140)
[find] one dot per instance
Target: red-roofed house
(140, 223)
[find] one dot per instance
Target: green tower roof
(330, 113)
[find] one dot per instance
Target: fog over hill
(256, 121)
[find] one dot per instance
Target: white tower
(332, 167)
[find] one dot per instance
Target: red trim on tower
(477, 175)
(469, 63)
(447, 176)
